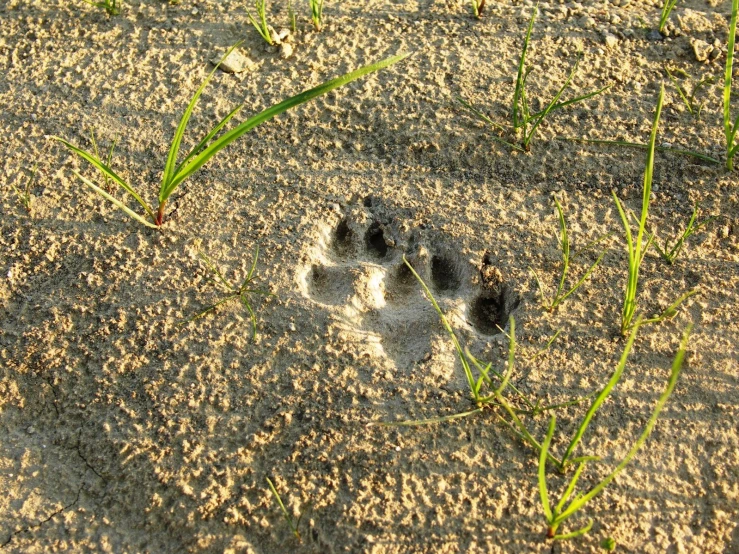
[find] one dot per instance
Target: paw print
(356, 272)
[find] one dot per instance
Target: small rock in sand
(611, 41)
(235, 62)
(286, 50)
(702, 50)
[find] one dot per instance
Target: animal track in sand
(356, 272)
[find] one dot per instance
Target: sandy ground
(123, 431)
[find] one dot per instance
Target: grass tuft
(242, 292)
(521, 117)
(316, 13)
(561, 293)
(24, 192)
(175, 173)
(670, 253)
(260, 22)
(689, 100)
(566, 508)
(636, 249)
(111, 7)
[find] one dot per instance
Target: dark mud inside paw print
(375, 301)
(446, 275)
(489, 314)
(343, 239)
(375, 242)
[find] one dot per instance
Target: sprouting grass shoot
(521, 116)
(477, 7)
(637, 249)
(24, 191)
(316, 13)
(175, 173)
(242, 293)
(689, 100)
(730, 128)
(664, 16)
(569, 506)
(291, 16)
(562, 293)
(111, 7)
(288, 518)
(260, 21)
(669, 253)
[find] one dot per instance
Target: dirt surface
(122, 430)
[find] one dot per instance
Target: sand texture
(124, 430)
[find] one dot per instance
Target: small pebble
(611, 41)
(291, 326)
(286, 50)
(702, 50)
(235, 62)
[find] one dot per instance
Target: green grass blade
(628, 144)
(571, 487)
(564, 242)
(421, 422)
(560, 105)
(573, 402)
(214, 269)
(106, 171)
(203, 143)
(730, 131)
(224, 140)
(547, 305)
(207, 310)
(615, 377)
(511, 358)
(581, 281)
(479, 114)
(546, 346)
(169, 168)
(285, 513)
(648, 172)
(252, 315)
(445, 323)
(484, 373)
(574, 534)
(680, 91)
(674, 374)
(520, 79)
(671, 310)
(629, 306)
(548, 109)
(253, 267)
(543, 492)
(114, 200)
